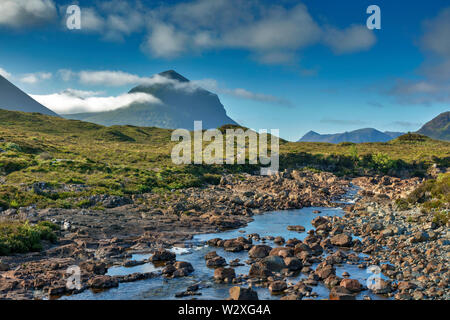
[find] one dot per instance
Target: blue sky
(292, 65)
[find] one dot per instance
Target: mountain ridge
(355, 136)
(438, 127)
(14, 99)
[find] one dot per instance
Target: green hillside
(72, 160)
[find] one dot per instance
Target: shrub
(21, 237)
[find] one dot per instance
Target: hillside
(182, 104)
(437, 128)
(76, 159)
(14, 99)
(356, 136)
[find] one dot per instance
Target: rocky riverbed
(414, 265)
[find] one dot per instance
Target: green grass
(122, 160)
(21, 237)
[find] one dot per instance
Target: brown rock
(238, 293)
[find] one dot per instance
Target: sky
(290, 65)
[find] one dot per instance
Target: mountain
(182, 104)
(14, 99)
(437, 128)
(356, 136)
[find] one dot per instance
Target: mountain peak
(173, 75)
(14, 99)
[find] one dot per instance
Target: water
(269, 224)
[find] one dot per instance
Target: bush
(21, 237)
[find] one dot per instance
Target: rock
(293, 263)
(4, 266)
(258, 270)
(273, 263)
(224, 274)
(210, 255)
(317, 221)
(296, 228)
(279, 240)
(179, 265)
(277, 286)
(341, 293)
(341, 240)
(406, 285)
(259, 251)
(103, 282)
(351, 284)
(379, 286)
(216, 262)
(238, 293)
(98, 268)
(163, 255)
(324, 271)
(419, 236)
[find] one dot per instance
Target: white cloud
(119, 78)
(165, 42)
(23, 13)
(353, 39)
(33, 78)
(76, 101)
(213, 85)
(5, 73)
(271, 33)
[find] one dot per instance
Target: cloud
(120, 78)
(213, 85)
(353, 39)
(347, 122)
(5, 73)
(406, 124)
(33, 78)
(273, 34)
(25, 13)
(270, 33)
(112, 19)
(76, 101)
(433, 86)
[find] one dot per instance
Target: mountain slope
(437, 128)
(356, 136)
(14, 99)
(182, 104)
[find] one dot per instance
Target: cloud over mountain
(75, 101)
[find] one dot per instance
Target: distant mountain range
(14, 99)
(356, 136)
(437, 128)
(182, 104)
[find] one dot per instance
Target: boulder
(296, 228)
(277, 286)
(341, 293)
(293, 263)
(103, 282)
(341, 240)
(259, 251)
(224, 274)
(273, 263)
(163, 255)
(351, 284)
(258, 270)
(238, 293)
(216, 262)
